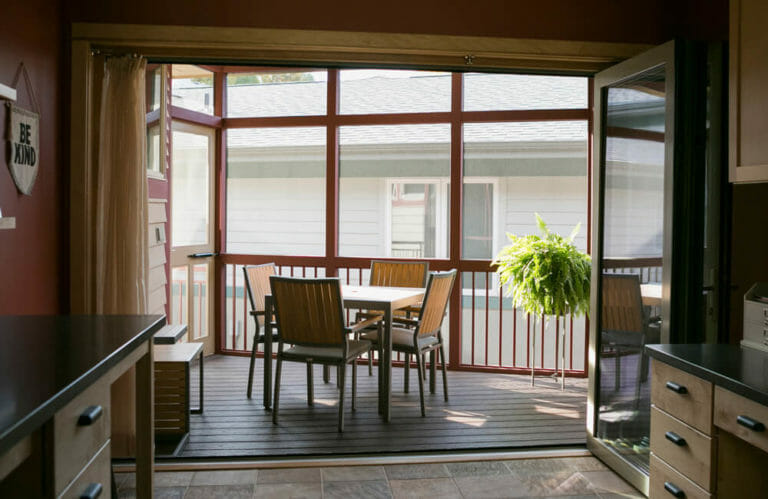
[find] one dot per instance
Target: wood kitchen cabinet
(748, 99)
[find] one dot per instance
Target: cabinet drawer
(735, 414)
(691, 403)
(96, 476)
(692, 455)
(76, 441)
(664, 475)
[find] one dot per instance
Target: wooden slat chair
(257, 286)
(310, 316)
(623, 319)
(426, 336)
(398, 274)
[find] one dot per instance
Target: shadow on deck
(484, 412)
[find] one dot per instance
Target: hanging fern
(546, 274)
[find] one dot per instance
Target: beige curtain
(121, 259)
(120, 264)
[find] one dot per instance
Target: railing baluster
(501, 315)
(487, 330)
(234, 307)
(473, 319)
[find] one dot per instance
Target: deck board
(484, 412)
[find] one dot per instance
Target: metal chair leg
(406, 372)
(250, 369)
(370, 362)
(354, 384)
(310, 384)
(326, 374)
(341, 398)
(445, 378)
(432, 370)
(276, 403)
(419, 363)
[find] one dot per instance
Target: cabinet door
(748, 91)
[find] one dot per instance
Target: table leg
(268, 352)
(145, 418)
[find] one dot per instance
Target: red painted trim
(525, 115)
(220, 226)
(501, 313)
(181, 114)
(457, 161)
(634, 133)
(275, 121)
(332, 175)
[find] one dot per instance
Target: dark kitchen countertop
(45, 361)
(741, 370)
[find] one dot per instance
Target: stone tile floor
(574, 477)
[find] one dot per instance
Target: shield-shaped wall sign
(23, 147)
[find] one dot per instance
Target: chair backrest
(309, 311)
(257, 284)
(622, 304)
(399, 274)
(439, 286)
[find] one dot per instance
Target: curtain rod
(109, 53)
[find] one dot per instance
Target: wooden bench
(172, 388)
(171, 334)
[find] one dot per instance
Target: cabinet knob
(673, 489)
(680, 389)
(92, 491)
(675, 438)
(750, 423)
(90, 415)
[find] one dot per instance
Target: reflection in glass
(192, 88)
(190, 207)
(631, 267)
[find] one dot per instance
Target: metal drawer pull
(750, 423)
(671, 385)
(673, 489)
(92, 491)
(675, 438)
(90, 415)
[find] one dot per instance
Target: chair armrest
(406, 321)
(368, 315)
(363, 324)
(255, 313)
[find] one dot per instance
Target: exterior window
(417, 222)
(192, 88)
(276, 191)
(277, 93)
(386, 204)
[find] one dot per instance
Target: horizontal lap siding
(157, 279)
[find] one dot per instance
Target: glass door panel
(192, 251)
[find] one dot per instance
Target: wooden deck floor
(485, 411)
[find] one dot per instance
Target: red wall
(652, 21)
(33, 256)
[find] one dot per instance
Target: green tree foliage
(255, 78)
(545, 274)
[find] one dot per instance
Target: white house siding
(560, 201)
(362, 223)
(273, 216)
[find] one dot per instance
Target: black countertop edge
(36, 418)
(720, 377)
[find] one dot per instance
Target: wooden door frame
(265, 46)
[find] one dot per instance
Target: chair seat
(356, 348)
(401, 338)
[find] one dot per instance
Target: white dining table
(381, 298)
